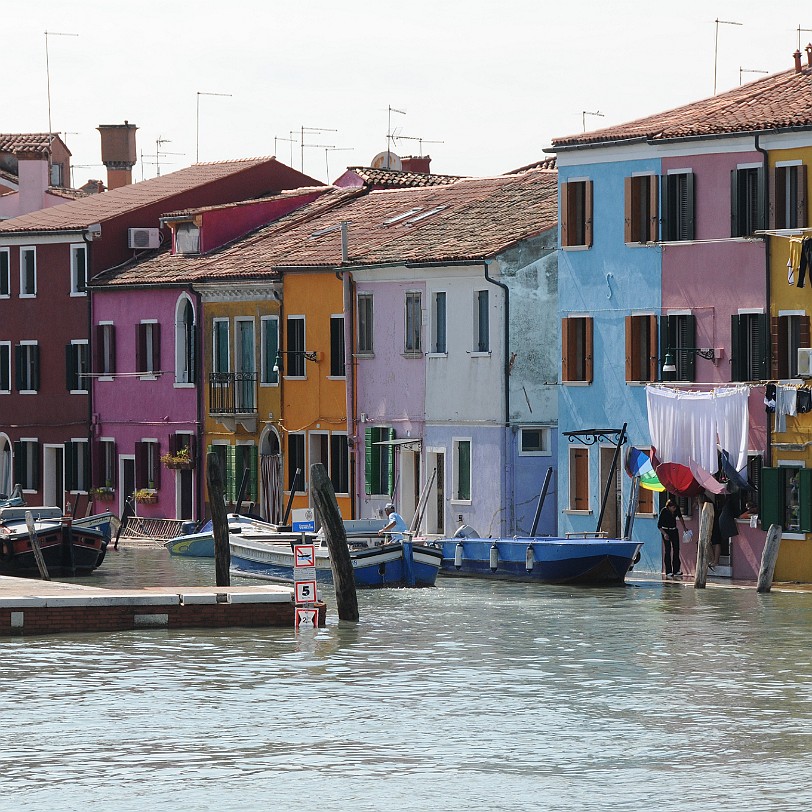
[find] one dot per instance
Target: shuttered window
(678, 206)
(77, 466)
(749, 345)
(5, 272)
(5, 367)
(641, 348)
(296, 461)
(77, 366)
(462, 470)
(579, 479)
(270, 349)
(575, 211)
(576, 334)
(747, 201)
(105, 349)
(27, 367)
(787, 334)
(380, 461)
(337, 354)
(640, 209)
(788, 207)
(148, 348)
(413, 343)
(438, 323)
(294, 357)
(245, 459)
(786, 498)
(26, 464)
(677, 333)
(365, 323)
(147, 465)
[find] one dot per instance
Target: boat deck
(31, 607)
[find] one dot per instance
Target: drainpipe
(506, 321)
(768, 286)
(200, 479)
(348, 288)
(90, 347)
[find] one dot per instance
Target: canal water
(468, 696)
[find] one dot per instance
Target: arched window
(185, 338)
(6, 467)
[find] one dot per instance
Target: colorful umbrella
(639, 464)
(705, 478)
(678, 479)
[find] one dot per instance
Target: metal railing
(232, 392)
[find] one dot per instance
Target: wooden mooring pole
(703, 546)
(324, 498)
(32, 536)
(768, 559)
(219, 521)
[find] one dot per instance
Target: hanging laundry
(769, 398)
(794, 261)
(806, 261)
(803, 401)
(785, 404)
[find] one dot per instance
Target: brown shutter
(140, 347)
(654, 211)
(653, 359)
(580, 461)
(772, 215)
(156, 347)
(98, 355)
(588, 349)
(565, 350)
(563, 213)
(588, 212)
(628, 194)
(802, 196)
(774, 346)
(141, 466)
(629, 347)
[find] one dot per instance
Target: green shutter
(734, 204)
(763, 367)
(35, 465)
(761, 198)
(231, 473)
(368, 460)
(253, 465)
(464, 469)
(771, 498)
(805, 499)
(390, 463)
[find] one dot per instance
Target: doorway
(611, 516)
(409, 482)
(53, 481)
(126, 476)
(435, 509)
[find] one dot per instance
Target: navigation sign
(305, 591)
(306, 618)
(303, 520)
(304, 555)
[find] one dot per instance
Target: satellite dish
(387, 160)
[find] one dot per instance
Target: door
(53, 470)
(435, 509)
(611, 516)
(184, 482)
(409, 483)
(246, 369)
(126, 478)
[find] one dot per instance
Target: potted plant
(180, 460)
(146, 496)
(103, 494)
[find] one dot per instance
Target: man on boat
(396, 527)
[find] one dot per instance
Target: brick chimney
(808, 50)
(420, 164)
(797, 56)
(118, 152)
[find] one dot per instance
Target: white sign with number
(305, 591)
(306, 618)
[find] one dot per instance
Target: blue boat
(399, 564)
(585, 561)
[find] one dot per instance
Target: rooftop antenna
(420, 141)
(197, 121)
(292, 142)
(327, 150)
(748, 70)
(585, 113)
(48, 68)
(159, 153)
(716, 46)
(312, 130)
(80, 166)
(807, 30)
(389, 132)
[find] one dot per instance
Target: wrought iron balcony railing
(232, 392)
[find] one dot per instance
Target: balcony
(233, 399)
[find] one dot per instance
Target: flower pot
(186, 465)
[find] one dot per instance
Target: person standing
(396, 527)
(667, 523)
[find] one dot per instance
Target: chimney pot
(118, 152)
(808, 50)
(797, 56)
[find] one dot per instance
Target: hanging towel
(806, 260)
(794, 261)
(769, 398)
(803, 401)
(785, 404)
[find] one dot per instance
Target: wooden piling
(324, 498)
(219, 521)
(768, 559)
(32, 535)
(703, 546)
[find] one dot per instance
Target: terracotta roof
(298, 192)
(467, 220)
(544, 163)
(32, 142)
(394, 179)
(783, 100)
(105, 205)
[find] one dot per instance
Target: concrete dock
(29, 607)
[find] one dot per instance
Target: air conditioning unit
(805, 362)
(143, 238)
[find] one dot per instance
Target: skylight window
(398, 217)
(426, 214)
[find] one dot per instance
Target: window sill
(575, 247)
(639, 383)
(636, 244)
(794, 536)
(336, 377)
(480, 354)
(148, 376)
(363, 355)
(269, 385)
(28, 392)
(436, 355)
(535, 453)
(571, 512)
(577, 383)
(467, 502)
(412, 354)
(105, 378)
(184, 385)
(78, 293)
(294, 377)
(79, 392)
(28, 296)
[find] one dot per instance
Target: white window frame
(26, 343)
(74, 270)
(182, 349)
(409, 296)
(571, 489)
(81, 342)
(6, 252)
(336, 316)
(106, 354)
(306, 446)
(262, 354)
(792, 464)
(547, 445)
(153, 459)
(83, 474)
(150, 374)
(475, 351)
(367, 296)
(433, 325)
(9, 369)
(455, 460)
(28, 458)
(347, 461)
(25, 249)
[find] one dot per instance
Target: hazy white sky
(493, 81)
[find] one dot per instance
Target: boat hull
(66, 551)
(588, 562)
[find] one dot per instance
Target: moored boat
(200, 544)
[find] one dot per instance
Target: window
(27, 363)
(78, 270)
(788, 209)
(295, 347)
(270, 348)
(640, 213)
(187, 238)
(148, 348)
(220, 346)
(786, 497)
(579, 479)
(56, 175)
(749, 336)
(788, 332)
(380, 461)
(28, 272)
(77, 465)
(77, 366)
(534, 442)
(462, 470)
(438, 323)
(105, 474)
(26, 463)
(747, 200)
(296, 462)
(576, 213)
(576, 338)
(246, 459)
(482, 340)
(5, 367)
(339, 463)
(148, 464)
(678, 332)
(641, 348)
(5, 273)
(337, 354)
(645, 501)
(414, 323)
(245, 358)
(225, 459)
(365, 345)
(185, 342)
(106, 349)
(678, 206)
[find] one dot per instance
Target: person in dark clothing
(667, 523)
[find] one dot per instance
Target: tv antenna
(197, 121)
(313, 131)
(748, 70)
(159, 153)
(716, 46)
(48, 67)
(420, 141)
(389, 134)
(585, 113)
(292, 142)
(799, 35)
(328, 150)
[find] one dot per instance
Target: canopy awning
(403, 441)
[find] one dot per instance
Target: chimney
(118, 152)
(808, 50)
(417, 164)
(33, 174)
(797, 56)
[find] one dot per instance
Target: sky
(482, 87)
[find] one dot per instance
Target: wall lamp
(308, 356)
(708, 353)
